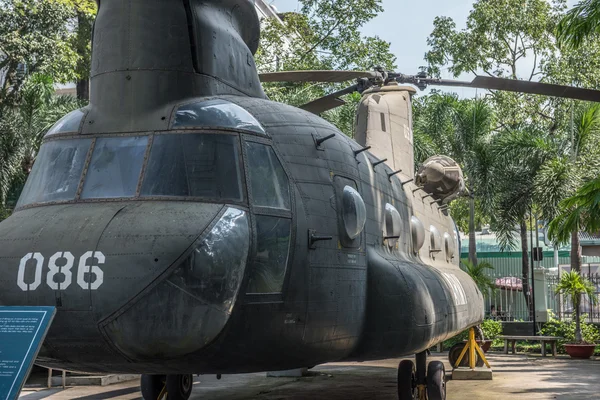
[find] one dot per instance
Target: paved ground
(515, 377)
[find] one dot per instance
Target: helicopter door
(269, 190)
(338, 271)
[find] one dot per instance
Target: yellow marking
(422, 392)
(163, 393)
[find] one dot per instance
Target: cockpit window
(194, 165)
(115, 167)
(215, 112)
(269, 183)
(56, 172)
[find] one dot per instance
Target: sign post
(22, 332)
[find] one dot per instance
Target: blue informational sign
(22, 332)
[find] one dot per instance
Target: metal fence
(509, 302)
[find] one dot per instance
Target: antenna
(379, 162)
(357, 152)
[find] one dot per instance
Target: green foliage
(22, 128)
(323, 35)
(491, 329)
(578, 212)
(35, 34)
(477, 273)
(580, 22)
(573, 285)
(566, 330)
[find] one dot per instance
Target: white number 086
(93, 283)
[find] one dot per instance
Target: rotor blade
(316, 76)
(515, 85)
(328, 102)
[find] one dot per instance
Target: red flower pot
(583, 351)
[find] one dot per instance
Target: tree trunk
(525, 266)
(575, 252)
(84, 33)
(472, 243)
(578, 335)
(83, 89)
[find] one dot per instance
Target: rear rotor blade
(316, 76)
(328, 102)
(515, 85)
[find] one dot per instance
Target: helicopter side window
(268, 181)
(115, 167)
(351, 212)
(194, 165)
(269, 265)
(56, 172)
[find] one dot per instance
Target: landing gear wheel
(179, 387)
(407, 380)
(454, 353)
(436, 381)
(152, 386)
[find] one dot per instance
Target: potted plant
(574, 286)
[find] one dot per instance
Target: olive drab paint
(183, 223)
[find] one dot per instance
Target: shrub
(491, 329)
(566, 329)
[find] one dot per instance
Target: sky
(406, 25)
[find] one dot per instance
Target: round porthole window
(354, 212)
(436, 239)
(417, 231)
(393, 225)
(449, 246)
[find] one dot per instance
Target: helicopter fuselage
(236, 240)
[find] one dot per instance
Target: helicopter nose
(188, 308)
(124, 267)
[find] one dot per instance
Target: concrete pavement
(515, 377)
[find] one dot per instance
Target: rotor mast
(149, 54)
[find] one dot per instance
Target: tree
(575, 161)
(323, 35)
(477, 273)
(84, 14)
(580, 23)
(574, 285)
(22, 128)
(531, 131)
(461, 129)
(34, 38)
(580, 212)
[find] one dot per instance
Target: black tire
(179, 387)
(152, 386)
(454, 353)
(436, 381)
(406, 380)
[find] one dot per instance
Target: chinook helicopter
(184, 224)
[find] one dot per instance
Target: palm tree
(580, 212)
(573, 163)
(22, 128)
(580, 22)
(462, 130)
(477, 273)
(574, 285)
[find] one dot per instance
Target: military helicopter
(184, 224)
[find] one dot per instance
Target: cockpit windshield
(57, 172)
(192, 165)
